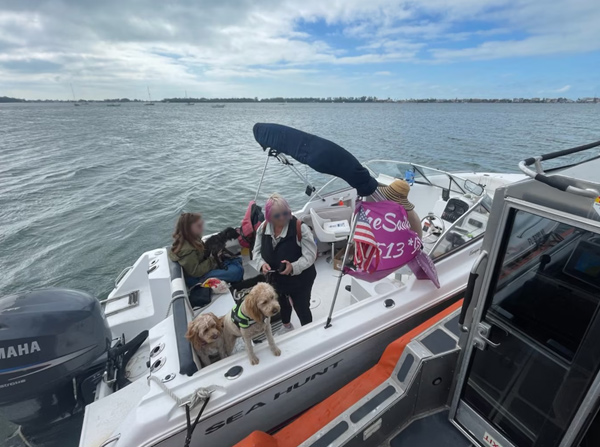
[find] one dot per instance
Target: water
(85, 190)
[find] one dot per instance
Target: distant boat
(150, 103)
(75, 103)
(189, 103)
(113, 105)
(218, 106)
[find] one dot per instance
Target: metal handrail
(557, 181)
(122, 274)
(110, 440)
(455, 224)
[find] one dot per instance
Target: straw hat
(397, 192)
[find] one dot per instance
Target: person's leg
(286, 308)
(301, 300)
(233, 271)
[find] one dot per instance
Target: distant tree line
(186, 100)
(7, 99)
(330, 99)
(281, 99)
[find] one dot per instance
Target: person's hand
(265, 268)
(288, 268)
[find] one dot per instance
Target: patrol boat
(125, 364)
(517, 364)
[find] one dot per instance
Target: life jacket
(239, 318)
(253, 218)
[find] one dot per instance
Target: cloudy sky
(224, 48)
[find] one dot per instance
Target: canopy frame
(310, 189)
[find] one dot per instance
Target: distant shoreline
(338, 100)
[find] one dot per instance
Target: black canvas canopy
(322, 155)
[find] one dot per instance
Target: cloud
(383, 73)
(566, 88)
(221, 48)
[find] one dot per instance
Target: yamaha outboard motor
(53, 350)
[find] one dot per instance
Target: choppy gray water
(85, 190)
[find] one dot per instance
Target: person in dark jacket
(285, 245)
(189, 252)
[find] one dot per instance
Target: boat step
(132, 300)
(433, 430)
(419, 386)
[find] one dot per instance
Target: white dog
(252, 317)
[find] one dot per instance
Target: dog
(251, 317)
(205, 333)
(215, 245)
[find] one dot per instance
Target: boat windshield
(424, 175)
(333, 185)
(468, 228)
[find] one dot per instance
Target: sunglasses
(282, 214)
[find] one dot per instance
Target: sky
(294, 48)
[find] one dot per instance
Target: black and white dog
(215, 245)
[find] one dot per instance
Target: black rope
(192, 427)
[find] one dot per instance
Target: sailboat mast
(149, 96)
(73, 92)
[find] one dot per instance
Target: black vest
(287, 249)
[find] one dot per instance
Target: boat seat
(182, 315)
(330, 231)
(332, 213)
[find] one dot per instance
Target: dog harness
(240, 319)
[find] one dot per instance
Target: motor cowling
(49, 341)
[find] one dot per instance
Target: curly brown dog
(251, 317)
(205, 333)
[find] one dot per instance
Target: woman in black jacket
(285, 245)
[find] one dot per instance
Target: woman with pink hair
(286, 248)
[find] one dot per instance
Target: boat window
(548, 285)
(592, 437)
(335, 184)
(466, 229)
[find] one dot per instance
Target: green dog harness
(240, 319)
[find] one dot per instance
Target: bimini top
(322, 155)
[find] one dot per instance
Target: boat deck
(433, 430)
(323, 290)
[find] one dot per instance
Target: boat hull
(283, 401)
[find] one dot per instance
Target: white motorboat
(136, 391)
(518, 365)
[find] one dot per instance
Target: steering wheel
(433, 227)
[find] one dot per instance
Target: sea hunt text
(283, 392)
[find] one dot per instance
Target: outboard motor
(53, 351)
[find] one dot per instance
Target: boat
(218, 106)
(113, 105)
(517, 364)
(149, 103)
(129, 369)
(75, 103)
(189, 103)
